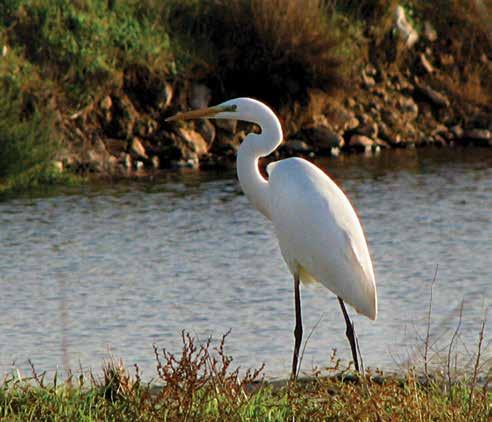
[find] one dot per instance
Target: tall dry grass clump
(274, 50)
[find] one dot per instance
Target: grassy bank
(61, 57)
(200, 384)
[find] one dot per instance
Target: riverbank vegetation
(200, 384)
(93, 79)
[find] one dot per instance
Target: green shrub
(83, 46)
(28, 142)
(24, 134)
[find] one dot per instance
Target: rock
(360, 143)
(226, 144)
(389, 135)
(484, 59)
(381, 143)
(446, 59)
(297, 146)
(69, 161)
(57, 165)
(335, 152)
(192, 163)
(166, 97)
(481, 137)
(98, 146)
(339, 116)
(145, 127)
(380, 92)
(98, 158)
(425, 64)
(123, 118)
(430, 94)
(127, 161)
(403, 85)
(370, 130)
(439, 140)
(351, 123)
(323, 138)
(457, 131)
(106, 103)
(350, 102)
(115, 146)
(439, 129)
(226, 125)
(391, 117)
(193, 141)
(138, 149)
(199, 96)
(367, 80)
(319, 120)
(375, 109)
(367, 126)
(404, 28)
(207, 130)
(371, 70)
(408, 106)
(429, 32)
(156, 162)
(239, 137)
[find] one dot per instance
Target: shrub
(24, 134)
(83, 46)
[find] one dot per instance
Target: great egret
(319, 234)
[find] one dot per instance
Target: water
(118, 268)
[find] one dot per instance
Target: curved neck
(254, 185)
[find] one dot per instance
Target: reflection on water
(121, 267)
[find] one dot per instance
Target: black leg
(350, 334)
(298, 328)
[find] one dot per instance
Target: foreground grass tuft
(199, 384)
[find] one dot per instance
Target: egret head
(246, 109)
(225, 110)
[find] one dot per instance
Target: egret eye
(231, 108)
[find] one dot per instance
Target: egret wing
(319, 232)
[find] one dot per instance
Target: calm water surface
(118, 268)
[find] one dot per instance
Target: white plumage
(318, 231)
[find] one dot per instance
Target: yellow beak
(201, 113)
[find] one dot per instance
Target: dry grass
(273, 50)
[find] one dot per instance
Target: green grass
(394, 398)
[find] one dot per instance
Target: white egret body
(319, 234)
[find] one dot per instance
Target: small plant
(200, 374)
